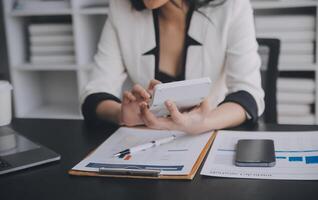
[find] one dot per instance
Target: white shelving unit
(295, 7)
(52, 91)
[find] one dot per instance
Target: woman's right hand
(130, 108)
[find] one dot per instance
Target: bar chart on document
(296, 156)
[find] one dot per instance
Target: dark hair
(139, 4)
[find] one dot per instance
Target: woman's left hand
(193, 122)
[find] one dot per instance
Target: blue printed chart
(296, 156)
(300, 157)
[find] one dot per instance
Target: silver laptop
(17, 152)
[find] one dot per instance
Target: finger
(139, 90)
(149, 118)
(152, 121)
(153, 83)
(176, 116)
(128, 97)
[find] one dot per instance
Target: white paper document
(174, 158)
(296, 156)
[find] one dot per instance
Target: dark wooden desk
(73, 141)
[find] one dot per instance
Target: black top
(159, 75)
(166, 78)
(245, 99)
(73, 141)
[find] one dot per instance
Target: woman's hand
(193, 122)
(130, 109)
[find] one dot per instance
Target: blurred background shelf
(294, 23)
(51, 89)
(94, 11)
(301, 67)
(26, 13)
(47, 67)
(259, 4)
(54, 111)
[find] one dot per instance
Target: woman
(168, 40)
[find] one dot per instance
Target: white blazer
(228, 54)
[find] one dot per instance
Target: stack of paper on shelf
(51, 43)
(36, 5)
(96, 4)
(295, 98)
(296, 33)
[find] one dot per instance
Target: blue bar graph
(311, 159)
(295, 159)
(281, 157)
(308, 160)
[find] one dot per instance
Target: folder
(186, 151)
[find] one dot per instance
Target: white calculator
(186, 94)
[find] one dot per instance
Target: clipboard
(189, 176)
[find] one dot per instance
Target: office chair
(269, 50)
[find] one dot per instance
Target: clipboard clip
(130, 172)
